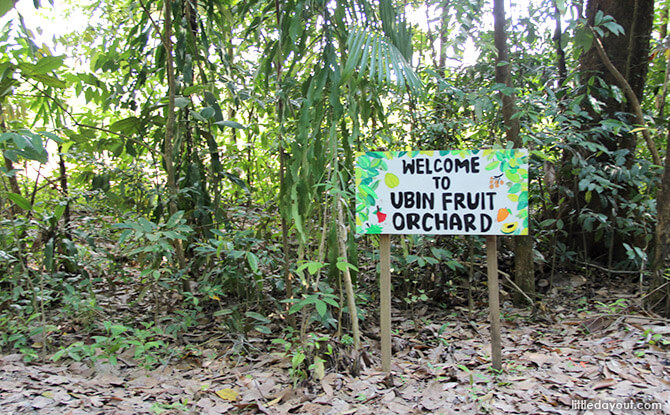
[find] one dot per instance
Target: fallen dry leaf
(227, 394)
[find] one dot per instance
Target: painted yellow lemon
(509, 227)
(391, 180)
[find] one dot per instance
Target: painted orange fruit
(503, 213)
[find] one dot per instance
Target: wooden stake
(494, 301)
(385, 299)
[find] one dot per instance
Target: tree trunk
(66, 194)
(560, 52)
(13, 182)
(168, 146)
(524, 275)
(628, 54)
(659, 297)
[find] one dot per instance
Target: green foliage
(149, 347)
(273, 100)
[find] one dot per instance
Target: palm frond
(376, 56)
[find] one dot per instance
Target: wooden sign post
(494, 301)
(459, 192)
(385, 299)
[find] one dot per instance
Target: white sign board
(458, 192)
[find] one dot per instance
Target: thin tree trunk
(560, 52)
(348, 284)
(13, 182)
(168, 146)
(13, 186)
(523, 245)
(64, 189)
(663, 31)
(288, 283)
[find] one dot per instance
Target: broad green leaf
(48, 80)
(6, 6)
(194, 89)
(48, 64)
(20, 201)
(181, 102)
(126, 126)
(257, 316)
(321, 308)
(342, 266)
(58, 212)
(252, 260)
(146, 225)
(229, 123)
(174, 219)
(207, 113)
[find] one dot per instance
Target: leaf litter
(441, 365)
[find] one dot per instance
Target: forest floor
(581, 348)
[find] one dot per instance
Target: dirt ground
(559, 359)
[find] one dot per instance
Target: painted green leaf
(512, 176)
(359, 204)
(523, 203)
(492, 165)
(367, 190)
(513, 197)
(523, 173)
(364, 162)
(515, 188)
